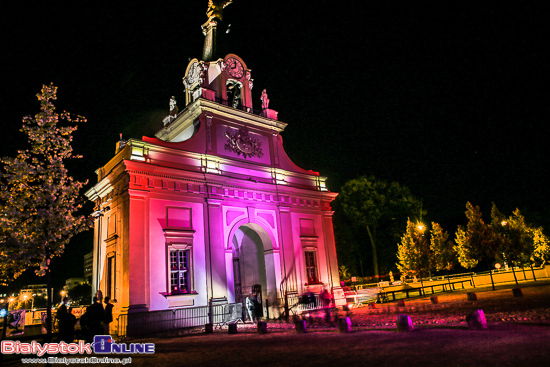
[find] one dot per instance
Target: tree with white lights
(39, 201)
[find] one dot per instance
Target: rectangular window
(179, 266)
(110, 277)
(311, 267)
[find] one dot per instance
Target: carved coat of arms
(242, 144)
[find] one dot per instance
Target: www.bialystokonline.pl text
(74, 360)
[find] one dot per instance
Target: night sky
(443, 97)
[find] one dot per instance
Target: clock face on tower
(234, 68)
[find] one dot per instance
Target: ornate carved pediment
(242, 144)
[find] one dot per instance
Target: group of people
(96, 320)
(325, 299)
(65, 321)
(253, 302)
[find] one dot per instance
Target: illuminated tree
(476, 241)
(443, 253)
(344, 273)
(513, 235)
(521, 244)
(379, 207)
(38, 199)
(413, 252)
(541, 245)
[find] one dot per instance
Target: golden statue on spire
(215, 14)
(215, 8)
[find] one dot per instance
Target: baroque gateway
(211, 208)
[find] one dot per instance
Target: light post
(420, 227)
(25, 296)
(504, 224)
(25, 301)
(63, 293)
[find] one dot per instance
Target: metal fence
(298, 303)
(145, 323)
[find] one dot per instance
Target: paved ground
(518, 335)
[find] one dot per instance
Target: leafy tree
(541, 245)
(378, 207)
(347, 247)
(413, 252)
(443, 253)
(476, 241)
(38, 199)
(344, 272)
(513, 234)
(521, 244)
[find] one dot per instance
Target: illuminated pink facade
(211, 206)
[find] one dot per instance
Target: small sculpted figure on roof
(265, 100)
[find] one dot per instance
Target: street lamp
(24, 300)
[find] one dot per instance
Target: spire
(215, 14)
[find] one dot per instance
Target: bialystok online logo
(103, 344)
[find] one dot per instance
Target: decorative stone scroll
(242, 144)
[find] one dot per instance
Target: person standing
(107, 315)
(251, 308)
(325, 298)
(326, 301)
(69, 326)
(95, 317)
(62, 319)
